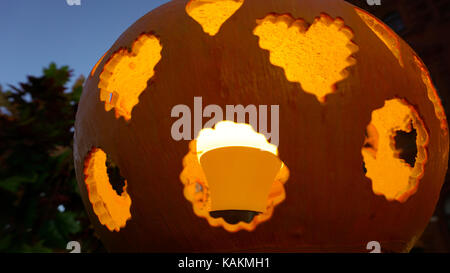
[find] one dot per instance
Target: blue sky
(34, 33)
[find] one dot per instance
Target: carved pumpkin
(346, 88)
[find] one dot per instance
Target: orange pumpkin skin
(329, 204)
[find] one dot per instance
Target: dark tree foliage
(41, 210)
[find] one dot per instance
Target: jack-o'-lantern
(319, 97)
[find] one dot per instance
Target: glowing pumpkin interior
(305, 52)
(125, 75)
(391, 176)
(211, 14)
(113, 210)
(239, 165)
(233, 168)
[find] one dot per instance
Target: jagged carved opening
(125, 75)
(111, 208)
(211, 14)
(233, 178)
(383, 32)
(433, 95)
(316, 55)
(395, 150)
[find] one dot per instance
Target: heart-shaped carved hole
(315, 56)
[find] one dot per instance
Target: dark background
(41, 207)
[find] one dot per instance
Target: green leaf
(13, 183)
(60, 75)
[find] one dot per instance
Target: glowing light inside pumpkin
(433, 95)
(211, 14)
(390, 175)
(112, 210)
(227, 134)
(239, 165)
(316, 56)
(383, 32)
(125, 75)
(233, 151)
